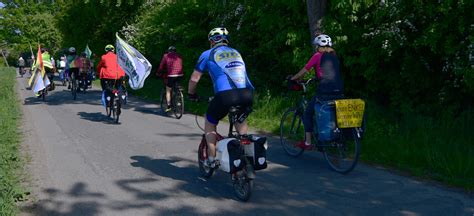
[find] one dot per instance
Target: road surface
(83, 164)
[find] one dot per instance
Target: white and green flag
(88, 51)
(135, 65)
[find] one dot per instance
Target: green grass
(437, 148)
(10, 162)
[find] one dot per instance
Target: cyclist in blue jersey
(232, 86)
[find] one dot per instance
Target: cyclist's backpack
(325, 120)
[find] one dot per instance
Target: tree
(316, 10)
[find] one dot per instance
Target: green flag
(88, 51)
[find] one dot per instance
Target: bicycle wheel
(163, 100)
(108, 107)
(291, 131)
(342, 155)
(43, 94)
(242, 185)
(73, 88)
(117, 109)
(178, 103)
(205, 170)
(84, 86)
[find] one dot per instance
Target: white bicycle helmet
(72, 49)
(322, 41)
(218, 35)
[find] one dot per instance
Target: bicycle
(239, 155)
(114, 98)
(83, 84)
(177, 100)
(21, 71)
(48, 88)
(342, 151)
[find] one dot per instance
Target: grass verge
(10, 162)
(433, 148)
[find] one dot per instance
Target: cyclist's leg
(103, 86)
(215, 112)
(245, 100)
(308, 121)
(169, 86)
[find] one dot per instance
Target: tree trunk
(5, 58)
(316, 10)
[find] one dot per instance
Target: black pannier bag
(235, 153)
(260, 152)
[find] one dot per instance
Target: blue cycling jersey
(226, 68)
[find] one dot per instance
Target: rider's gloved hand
(293, 85)
(193, 97)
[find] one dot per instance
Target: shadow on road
(287, 187)
(97, 117)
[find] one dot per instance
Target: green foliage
(94, 22)
(410, 56)
(26, 23)
(10, 162)
(273, 42)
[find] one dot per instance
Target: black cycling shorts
(219, 106)
(171, 81)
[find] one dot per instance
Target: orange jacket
(108, 68)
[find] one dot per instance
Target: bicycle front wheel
(291, 131)
(342, 155)
(178, 104)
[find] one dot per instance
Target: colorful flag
(135, 65)
(38, 80)
(88, 51)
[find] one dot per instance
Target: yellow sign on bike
(350, 113)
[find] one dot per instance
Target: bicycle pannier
(325, 121)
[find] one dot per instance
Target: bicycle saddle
(234, 109)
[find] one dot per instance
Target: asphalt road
(83, 164)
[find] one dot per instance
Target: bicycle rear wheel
(291, 131)
(178, 104)
(242, 185)
(74, 88)
(108, 107)
(117, 110)
(342, 155)
(163, 101)
(43, 94)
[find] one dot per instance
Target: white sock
(210, 158)
(307, 143)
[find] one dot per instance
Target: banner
(135, 65)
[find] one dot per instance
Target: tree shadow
(55, 205)
(188, 176)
